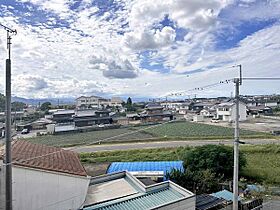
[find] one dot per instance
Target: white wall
(37, 189)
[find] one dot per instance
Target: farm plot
(189, 129)
(73, 139)
(164, 132)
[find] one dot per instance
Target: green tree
(129, 102)
(2, 102)
(45, 106)
(205, 167)
(18, 106)
(217, 158)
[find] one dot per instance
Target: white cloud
(93, 54)
(140, 40)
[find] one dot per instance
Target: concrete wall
(242, 112)
(186, 204)
(37, 189)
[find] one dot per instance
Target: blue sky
(140, 48)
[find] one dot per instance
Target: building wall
(230, 114)
(38, 189)
(187, 204)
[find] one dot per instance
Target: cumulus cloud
(112, 50)
(29, 83)
(113, 68)
(140, 40)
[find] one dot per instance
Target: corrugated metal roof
(225, 194)
(142, 202)
(161, 166)
(204, 202)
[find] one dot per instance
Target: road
(152, 145)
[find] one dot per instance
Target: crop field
(263, 162)
(189, 129)
(169, 131)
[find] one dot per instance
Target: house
(157, 170)
(63, 116)
(175, 105)
(97, 102)
(197, 107)
(226, 111)
(122, 190)
(83, 118)
(45, 177)
(154, 113)
(258, 110)
(208, 112)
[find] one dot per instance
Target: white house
(98, 102)
(56, 180)
(226, 111)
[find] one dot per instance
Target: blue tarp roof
(165, 166)
(225, 194)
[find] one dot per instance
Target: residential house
(175, 105)
(83, 118)
(260, 110)
(226, 111)
(122, 190)
(45, 177)
(97, 102)
(154, 113)
(208, 112)
(63, 116)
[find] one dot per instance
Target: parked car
(215, 120)
(25, 131)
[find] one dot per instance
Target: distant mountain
(53, 101)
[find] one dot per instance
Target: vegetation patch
(263, 162)
(164, 132)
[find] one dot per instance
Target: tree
(205, 167)
(129, 102)
(217, 158)
(45, 106)
(2, 102)
(18, 106)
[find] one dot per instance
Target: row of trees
(205, 168)
(16, 106)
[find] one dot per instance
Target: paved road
(149, 145)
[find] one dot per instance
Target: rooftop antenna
(8, 155)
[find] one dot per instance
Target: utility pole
(8, 156)
(236, 146)
(238, 82)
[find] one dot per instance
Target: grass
(169, 131)
(263, 162)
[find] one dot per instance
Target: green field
(263, 162)
(169, 131)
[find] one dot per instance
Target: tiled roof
(45, 157)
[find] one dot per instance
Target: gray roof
(123, 191)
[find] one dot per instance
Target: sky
(139, 48)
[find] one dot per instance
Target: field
(263, 162)
(169, 131)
